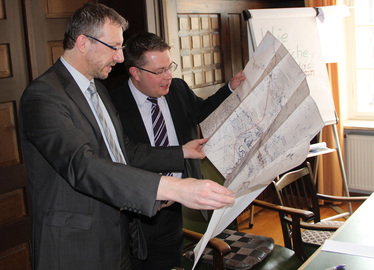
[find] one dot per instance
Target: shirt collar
(80, 79)
(139, 97)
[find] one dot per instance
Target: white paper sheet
(348, 248)
(260, 131)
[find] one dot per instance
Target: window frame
(349, 75)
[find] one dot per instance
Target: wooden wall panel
(199, 49)
(218, 23)
(62, 9)
(9, 154)
(14, 204)
(237, 49)
(5, 67)
(46, 23)
(2, 13)
(15, 225)
(55, 50)
(17, 258)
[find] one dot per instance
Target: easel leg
(342, 169)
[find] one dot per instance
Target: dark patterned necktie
(96, 102)
(160, 136)
(159, 127)
(158, 124)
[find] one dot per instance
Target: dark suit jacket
(187, 111)
(76, 191)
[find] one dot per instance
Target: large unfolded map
(261, 130)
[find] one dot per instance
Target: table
(358, 229)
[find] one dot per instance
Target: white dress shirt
(145, 107)
(83, 84)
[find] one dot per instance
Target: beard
(98, 68)
(100, 75)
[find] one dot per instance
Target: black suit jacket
(187, 111)
(76, 190)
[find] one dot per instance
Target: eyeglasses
(173, 66)
(102, 42)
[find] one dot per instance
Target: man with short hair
(80, 174)
(149, 64)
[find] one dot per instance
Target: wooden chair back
(299, 211)
(296, 189)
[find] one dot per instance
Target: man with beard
(81, 168)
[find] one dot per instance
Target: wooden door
(14, 210)
(45, 22)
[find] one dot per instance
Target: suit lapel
(175, 114)
(113, 115)
(76, 95)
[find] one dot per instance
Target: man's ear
(134, 73)
(81, 43)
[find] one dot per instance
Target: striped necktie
(158, 124)
(96, 102)
(160, 136)
(159, 127)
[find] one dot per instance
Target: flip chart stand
(252, 45)
(337, 149)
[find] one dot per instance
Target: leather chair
(195, 225)
(280, 258)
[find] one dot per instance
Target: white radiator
(359, 156)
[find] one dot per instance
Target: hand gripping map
(260, 131)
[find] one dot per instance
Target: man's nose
(118, 56)
(168, 74)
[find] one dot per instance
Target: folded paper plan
(261, 130)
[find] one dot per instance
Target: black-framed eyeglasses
(102, 42)
(173, 66)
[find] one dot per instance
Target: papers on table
(348, 248)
